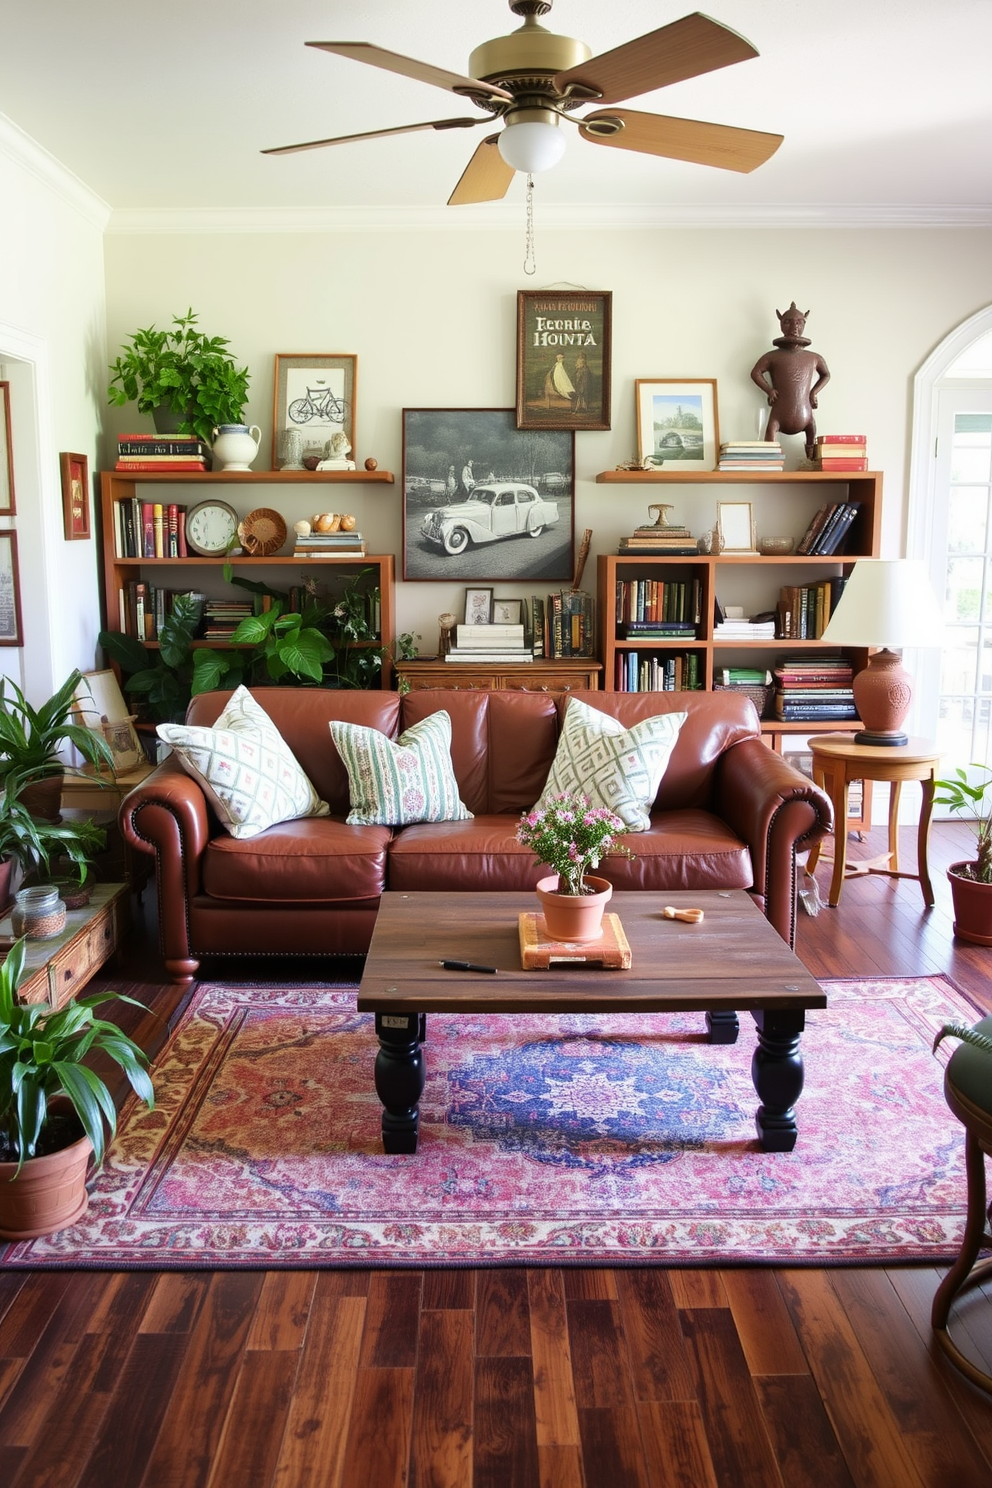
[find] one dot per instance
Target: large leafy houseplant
(36, 845)
(42, 1053)
(163, 681)
(30, 737)
(183, 370)
(961, 795)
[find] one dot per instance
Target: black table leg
(723, 1026)
(399, 1077)
(777, 1072)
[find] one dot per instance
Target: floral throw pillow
(394, 783)
(245, 767)
(613, 766)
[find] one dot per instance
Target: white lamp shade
(887, 602)
(532, 146)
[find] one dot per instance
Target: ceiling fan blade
(487, 176)
(685, 49)
(424, 72)
(345, 139)
(720, 145)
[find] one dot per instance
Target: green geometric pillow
(394, 784)
(615, 767)
(245, 767)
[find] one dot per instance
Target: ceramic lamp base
(883, 693)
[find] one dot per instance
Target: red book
(147, 530)
(152, 465)
(842, 438)
(172, 531)
(841, 464)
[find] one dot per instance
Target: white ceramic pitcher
(235, 445)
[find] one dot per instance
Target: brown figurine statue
(796, 376)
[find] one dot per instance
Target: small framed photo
(11, 630)
(7, 508)
(75, 496)
(677, 423)
(314, 399)
(563, 359)
(478, 606)
(735, 520)
(508, 612)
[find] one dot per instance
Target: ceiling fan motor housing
(525, 62)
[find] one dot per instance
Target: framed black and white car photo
(484, 500)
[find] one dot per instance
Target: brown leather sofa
(730, 813)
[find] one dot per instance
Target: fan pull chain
(530, 259)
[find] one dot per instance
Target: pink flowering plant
(571, 836)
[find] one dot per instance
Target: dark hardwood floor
(513, 1378)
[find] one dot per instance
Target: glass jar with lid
(38, 912)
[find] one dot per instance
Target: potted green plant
(30, 739)
(970, 791)
(55, 1112)
(189, 375)
(164, 680)
(35, 845)
(570, 837)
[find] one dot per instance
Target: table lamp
(887, 602)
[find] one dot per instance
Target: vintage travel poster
(563, 359)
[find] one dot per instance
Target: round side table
(837, 760)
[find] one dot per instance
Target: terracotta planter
(972, 907)
(574, 916)
(48, 1194)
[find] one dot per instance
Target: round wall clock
(210, 527)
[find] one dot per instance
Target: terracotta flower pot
(574, 916)
(48, 1194)
(972, 907)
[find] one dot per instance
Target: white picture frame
(735, 519)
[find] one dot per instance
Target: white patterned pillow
(615, 767)
(392, 784)
(245, 767)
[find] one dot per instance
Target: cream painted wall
(431, 318)
(52, 348)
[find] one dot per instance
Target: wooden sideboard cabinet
(580, 675)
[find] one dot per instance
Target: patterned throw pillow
(615, 767)
(392, 784)
(245, 767)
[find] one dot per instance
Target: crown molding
(509, 217)
(29, 155)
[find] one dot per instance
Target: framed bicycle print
(11, 632)
(314, 399)
(6, 455)
(75, 496)
(563, 359)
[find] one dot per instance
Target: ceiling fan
(533, 79)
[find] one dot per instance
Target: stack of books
(814, 689)
(751, 454)
(672, 541)
(657, 672)
(162, 453)
(330, 545)
(744, 630)
(149, 529)
(828, 530)
(223, 616)
(489, 643)
(803, 610)
(841, 452)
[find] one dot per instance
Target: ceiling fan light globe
(532, 146)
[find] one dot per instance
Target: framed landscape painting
(563, 359)
(677, 423)
(484, 500)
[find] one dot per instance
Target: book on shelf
(841, 464)
(136, 456)
(860, 439)
(489, 636)
(515, 655)
(328, 555)
(841, 452)
(149, 467)
(745, 630)
(836, 529)
(658, 600)
(654, 672)
(752, 676)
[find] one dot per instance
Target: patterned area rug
(566, 1140)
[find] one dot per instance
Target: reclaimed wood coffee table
(734, 961)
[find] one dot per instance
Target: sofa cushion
(396, 783)
(245, 768)
(616, 767)
(319, 860)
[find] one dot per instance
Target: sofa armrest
(168, 815)
(778, 812)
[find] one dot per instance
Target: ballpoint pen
(466, 966)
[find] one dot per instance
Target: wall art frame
(564, 352)
(451, 453)
(508, 611)
(7, 506)
(75, 497)
(677, 425)
(313, 393)
(11, 627)
(735, 520)
(478, 605)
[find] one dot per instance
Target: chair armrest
(778, 812)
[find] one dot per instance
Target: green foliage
(188, 372)
(30, 737)
(33, 844)
(41, 1056)
(166, 679)
(966, 1035)
(976, 800)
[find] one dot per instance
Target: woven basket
(760, 693)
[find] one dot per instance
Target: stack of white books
(489, 643)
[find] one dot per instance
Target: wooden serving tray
(538, 951)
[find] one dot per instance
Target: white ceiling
(884, 104)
